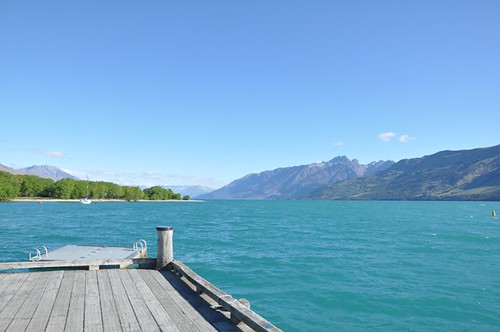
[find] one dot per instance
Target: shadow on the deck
(216, 318)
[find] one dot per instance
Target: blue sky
(205, 92)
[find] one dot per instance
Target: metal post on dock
(165, 246)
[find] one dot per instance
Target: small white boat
(86, 201)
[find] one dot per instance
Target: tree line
(15, 186)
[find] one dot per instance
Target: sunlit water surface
(306, 265)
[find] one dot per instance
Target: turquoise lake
(305, 265)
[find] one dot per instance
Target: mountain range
(295, 182)
(446, 175)
(192, 191)
(43, 171)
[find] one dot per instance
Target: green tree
(63, 188)
(154, 193)
(114, 191)
(8, 186)
(132, 193)
(80, 190)
(27, 187)
(33, 186)
(159, 193)
(97, 190)
(12, 186)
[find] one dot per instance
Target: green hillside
(30, 186)
(447, 175)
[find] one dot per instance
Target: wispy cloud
(405, 138)
(52, 154)
(338, 143)
(56, 154)
(147, 179)
(386, 137)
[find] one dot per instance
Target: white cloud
(56, 154)
(147, 179)
(386, 137)
(338, 143)
(405, 138)
(78, 174)
(53, 154)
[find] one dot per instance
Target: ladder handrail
(38, 255)
(140, 243)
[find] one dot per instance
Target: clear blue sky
(205, 92)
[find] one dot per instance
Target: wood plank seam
(161, 316)
(144, 316)
(109, 313)
(184, 321)
(23, 316)
(127, 317)
(9, 312)
(41, 316)
(60, 310)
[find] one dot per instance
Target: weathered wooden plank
(9, 286)
(23, 315)
(186, 311)
(41, 315)
(115, 300)
(57, 319)
(74, 321)
(73, 263)
(127, 316)
(201, 284)
(191, 304)
(144, 316)
(7, 279)
(77, 263)
(238, 311)
(22, 293)
(93, 320)
(181, 318)
(110, 318)
(161, 316)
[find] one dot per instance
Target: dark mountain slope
(295, 182)
(446, 175)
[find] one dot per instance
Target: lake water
(306, 265)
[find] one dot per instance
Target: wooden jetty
(157, 295)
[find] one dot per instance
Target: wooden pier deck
(162, 294)
(104, 300)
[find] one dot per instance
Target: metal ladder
(36, 254)
(140, 245)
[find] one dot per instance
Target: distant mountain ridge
(192, 191)
(43, 171)
(446, 175)
(297, 181)
(8, 169)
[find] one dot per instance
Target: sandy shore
(55, 200)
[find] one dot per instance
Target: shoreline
(58, 200)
